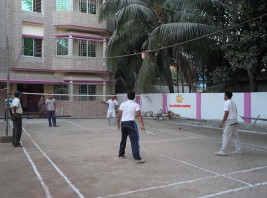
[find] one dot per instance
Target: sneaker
(18, 145)
(140, 161)
(55, 126)
(237, 152)
(121, 157)
(220, 153)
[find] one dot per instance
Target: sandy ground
(79, 159)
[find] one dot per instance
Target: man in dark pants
(50, 104)
(126, 120)
(17, 119)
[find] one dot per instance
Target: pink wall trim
(32, 36)
(80, 36)
(198, 106)
(57, 81)
(59, 71)
(32, 23)
(164, 103)
(247, 106)
(137, 100)
(85, 39)
(86, 27)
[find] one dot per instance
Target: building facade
(56, 46)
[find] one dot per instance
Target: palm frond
(141, 15)
(169, 34)
(112, 7)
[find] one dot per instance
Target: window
(61, 89)
(32, 5)
(87, 90)
(32, 47)
(63, 5)
(62, 47)
(86, 6)
(87, 48)
(92, 7)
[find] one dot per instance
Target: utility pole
(7, 138)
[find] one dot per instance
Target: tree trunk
(177, 73)
(169, 80)
(252, 80)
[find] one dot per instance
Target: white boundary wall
(203, 105)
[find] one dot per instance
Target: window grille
(63, 5)
(61, 89)
(87, 48)
(62, 47)
(31, 5)
(87, 90)
(85, 6)
(32, 47)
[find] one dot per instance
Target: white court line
(167, 140)
(197, 167)
(45, 187)
(249, 146)
(155, 187)
(184, 182)
(91, 130)
(211, 127)
(234, 190)
(55, 166)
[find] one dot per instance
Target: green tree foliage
(246, 46)
(162, 29)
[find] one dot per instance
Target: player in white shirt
(126, 121)
(112, 108)
(230, 125)
(17, 119)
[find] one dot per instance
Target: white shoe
(220, 153)
(237, 152)
(122, 157)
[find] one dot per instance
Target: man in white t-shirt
(112, 108)
(230, 125)
(50, 105)
(126, 121)
(17, 119)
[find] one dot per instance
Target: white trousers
(230, 129)
(111, 114)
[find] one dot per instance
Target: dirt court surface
(79, 159)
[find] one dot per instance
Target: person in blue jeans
(126, 121)
(50, 105)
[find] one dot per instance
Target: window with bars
(87, 90)
(61, 89)
(87, 48)
(62, 47)
(63, 5)
(86, 6)
(32, 47)
(31, 5)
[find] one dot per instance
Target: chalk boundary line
(217, 175)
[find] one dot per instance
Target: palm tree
(155, 27)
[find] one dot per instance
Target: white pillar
(71, 5)
(70, 46)
(104, 48)
(71, 91)
(104, 91)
